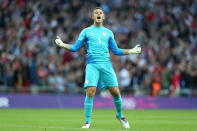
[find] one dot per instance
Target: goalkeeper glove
(59, 42)
(135, 50)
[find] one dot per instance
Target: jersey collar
(97, 27)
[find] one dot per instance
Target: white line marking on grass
(148, 122)
(56, 127)
(135, 121)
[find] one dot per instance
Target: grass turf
(102, 120)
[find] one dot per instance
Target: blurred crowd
(30, 62)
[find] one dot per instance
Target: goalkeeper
(98, 40)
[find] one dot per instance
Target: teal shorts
(102, 75)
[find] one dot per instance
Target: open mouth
(98, 17)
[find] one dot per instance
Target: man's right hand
(59, 42)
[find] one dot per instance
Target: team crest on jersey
(104, 33)
(87, 81)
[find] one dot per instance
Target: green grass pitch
(102, 120)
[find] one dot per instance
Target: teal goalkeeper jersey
(98, 41)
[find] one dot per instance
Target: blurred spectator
(124, 79)
(31, 63)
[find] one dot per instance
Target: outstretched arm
(117, 51)
(114, 48)
(74, 47)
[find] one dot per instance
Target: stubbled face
(98, 16)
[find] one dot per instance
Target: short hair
(98, 8)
